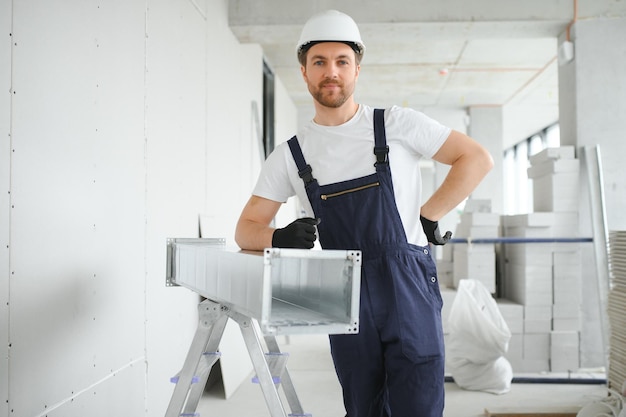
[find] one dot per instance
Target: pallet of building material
(533, 412)
(562, 152)
(560, 166)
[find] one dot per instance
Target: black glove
(299, 234)
(431, 229)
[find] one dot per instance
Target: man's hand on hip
(431, 229)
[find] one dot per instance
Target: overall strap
(304, 170)
(381, 150)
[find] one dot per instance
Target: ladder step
(194, 379)
(276, 362)
(208, 359)
(275, 379)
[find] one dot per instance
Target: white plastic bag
(478, 339)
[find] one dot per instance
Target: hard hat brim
(359, 49)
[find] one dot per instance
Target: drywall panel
(78, 202)
(120, 393)
(176, 163)
(5, 180)
(286, 125)
(110, 155)
(233, 160)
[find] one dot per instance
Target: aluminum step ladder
(270, 367)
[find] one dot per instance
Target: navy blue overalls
(395, 364)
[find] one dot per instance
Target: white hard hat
(330, 26)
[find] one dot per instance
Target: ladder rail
(187, 392)
(286, 381)
(253, 343)
(203, 354)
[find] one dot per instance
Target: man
(356, 173)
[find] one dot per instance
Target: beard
(333, 99)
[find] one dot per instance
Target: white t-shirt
(344, 152)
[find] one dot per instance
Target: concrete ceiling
(445, 54)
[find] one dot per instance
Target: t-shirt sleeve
(424, 134)
(273, 182)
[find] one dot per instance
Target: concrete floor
(312, 372)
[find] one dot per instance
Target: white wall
(5, 152)
(286, 119)
(77, 217)
(127, 120)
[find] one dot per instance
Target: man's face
(331, 73)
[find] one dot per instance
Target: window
(553, 136)
(268, 109)
(518, 193)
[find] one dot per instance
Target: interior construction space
(126, 123)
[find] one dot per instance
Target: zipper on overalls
(351, 190)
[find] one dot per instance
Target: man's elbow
(240, 235)
(486, 161)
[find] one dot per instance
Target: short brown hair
(302, 53)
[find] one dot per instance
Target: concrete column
(592, 106)
(486, 126)
(592, 103)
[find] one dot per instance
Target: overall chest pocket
(350, 188)
(355, 189)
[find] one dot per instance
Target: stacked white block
(513, 314)
(541, 224)
(545, 278)
(528, 277)
(554, 172)
(476, 261)
(564, 351)
(536, 353)
(445, 266)
(478, 225)
(567, 288)
(531, 285)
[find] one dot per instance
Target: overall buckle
(382, 154)
(306, 174)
